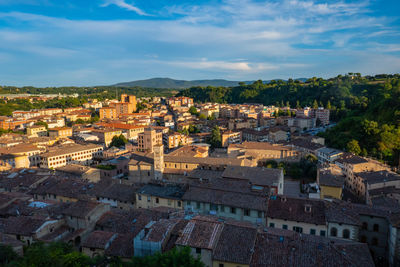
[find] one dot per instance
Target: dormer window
(307, 208)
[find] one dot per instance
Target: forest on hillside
(367, 108)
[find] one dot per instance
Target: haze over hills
(180, 84)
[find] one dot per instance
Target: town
(239, 184)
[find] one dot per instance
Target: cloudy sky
(100, 42)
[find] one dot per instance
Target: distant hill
(179, 84)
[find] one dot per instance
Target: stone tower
(158, 161)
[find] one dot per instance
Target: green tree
(193, 110)
(118, 141)
(42, 123)
(315, 104)
(216, 138)
(174, 257)
(202, 117)
(353, 147)
(328, 105)
(7, 255)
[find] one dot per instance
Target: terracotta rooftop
(200, 233)
(223, 197)
(308, 250)
(255, 175)
(295, 209)
(99, 239)
(235, 244)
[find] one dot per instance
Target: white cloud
(275, 39)
(124, 5)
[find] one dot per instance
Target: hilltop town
(239, 184)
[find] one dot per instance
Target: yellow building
(331, 182)
(73, 153)
(36, 131)
(108, 113)
(231, 137)
(155, 195)
(106, 135)
(60, 132)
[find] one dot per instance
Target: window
(246, 212)
(179, 203)
(374, 241)
(363, 239)
(198, 205)
(188, 203)
(376, 227)
(346, 233)
(284, 226)
(365, 226)
(157, 200)
(259, 215)
(272, 225)
(169, 202)
(233, 210)
(198, 250)
(322, 233)
(312, 231)
(221, 265)
(297, 229)
(148, 199)
(333, 231)
(213, 207)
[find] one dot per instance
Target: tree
(211, 117)
(315, 104)
(79, 121)
(215, 139)
(7, 255)
(202, 117)
(193, 110)
(271, 164)
(42, 123)
(353, 147)
(328, 105)
(174, 257)
(118, 141)
(298, 104)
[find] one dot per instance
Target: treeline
(99, 92)
(7, 107)
(63, 255)
(367, 108)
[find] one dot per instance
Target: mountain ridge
(169, 83)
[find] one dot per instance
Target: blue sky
(100, 42)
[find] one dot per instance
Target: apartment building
(106, 135)
(67, 154)
(231, 137)
(36, 131)
(262, 151)
(363, 182)
(176, 140)
(20, 156)
(160, 195)
(126, 105)
(328, 155)
(61, 132)
(132, 131)
(108, 113)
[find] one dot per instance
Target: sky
(103, 42)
